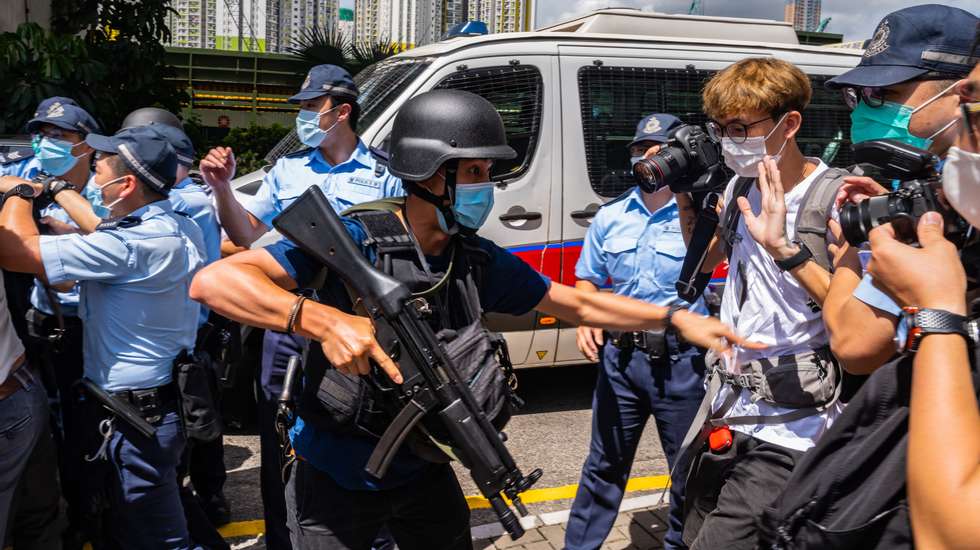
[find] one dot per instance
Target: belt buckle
(146, 402)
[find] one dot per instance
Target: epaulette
(381, 159)
(619, 198)
(295, 154)
(16, 154)
(119, 223)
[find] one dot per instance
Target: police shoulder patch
(119, 223)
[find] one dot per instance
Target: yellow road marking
(476, 502)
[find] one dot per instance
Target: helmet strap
(444, 202)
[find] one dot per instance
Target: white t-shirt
(10, 345)
(766, 305)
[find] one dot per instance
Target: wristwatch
(922, 322)
(795, 260)
(23, 190)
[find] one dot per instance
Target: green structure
(244, 86)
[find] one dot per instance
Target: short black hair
(355, 109)
(120, 169)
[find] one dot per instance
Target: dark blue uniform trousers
(630, 387)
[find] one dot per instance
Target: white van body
(570, 96)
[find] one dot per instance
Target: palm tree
(317, 46)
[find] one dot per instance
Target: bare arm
(860, 335)
(613, 312)
(218, 168)
(252, 288)
(588, 338)
(79, 210)
(716, 252)
(944, 454)
(20, 248)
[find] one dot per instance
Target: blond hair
(772, 86)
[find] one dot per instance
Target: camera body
(918, 193)
(689, 162)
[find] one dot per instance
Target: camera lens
(857, 220)
(850, 223)
(660, 169)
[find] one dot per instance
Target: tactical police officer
(636, 242)
(339, 162)
(443, 145)
(134, 274)
(54, 329)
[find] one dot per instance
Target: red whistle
(720, 439)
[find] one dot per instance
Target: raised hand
(769, 227)
(218, 167)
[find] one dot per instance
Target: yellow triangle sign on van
(541, 354)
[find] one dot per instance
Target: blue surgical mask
(472, 206)
(55, 155)
(891, 121)
(308, 127)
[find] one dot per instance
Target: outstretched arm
(613, 312)
(253, 288)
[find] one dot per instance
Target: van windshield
(379, 85)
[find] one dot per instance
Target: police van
(570, 96)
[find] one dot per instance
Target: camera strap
(691, 282)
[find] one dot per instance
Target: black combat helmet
(443, 125)
(145, 116)
(439, 128)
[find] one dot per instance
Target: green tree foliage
(252, 143)
(36, 64)
(128, 37)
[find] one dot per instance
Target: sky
(854, 24)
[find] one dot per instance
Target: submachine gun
(432, 391)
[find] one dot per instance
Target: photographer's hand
(769, 227)
(929, 277)
(858, 188)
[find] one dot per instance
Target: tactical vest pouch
(484, 364)
(198, 385)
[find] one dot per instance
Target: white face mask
(101, 189)
(744, 158)
(961, 183)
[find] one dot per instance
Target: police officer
(443, 145)
(54, 330)
(339, 162)
(134, 274)
(24, 162)
(635, 241)
(205, 507)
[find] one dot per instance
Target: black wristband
(795, 260)
(923, 322)
(22, 190)
(669, 320)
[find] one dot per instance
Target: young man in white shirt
(777, 401)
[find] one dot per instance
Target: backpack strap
(815, 208)
(732, 214)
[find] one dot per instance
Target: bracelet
(294, 313)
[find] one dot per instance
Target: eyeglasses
(873, 97)
(735, 131)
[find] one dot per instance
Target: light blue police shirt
(134, 294)
(639, 251)
(67, 301)
(26, 168)
(193, 200)
(351, 182)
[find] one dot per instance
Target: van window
(614, 99)
(516, 92)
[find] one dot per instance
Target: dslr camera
(919, 191)
(689, 162)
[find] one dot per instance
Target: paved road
(551, 433)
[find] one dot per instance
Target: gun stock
(312, 223)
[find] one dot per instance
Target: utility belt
(807, 383)
(151, 403)
(656, 343)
